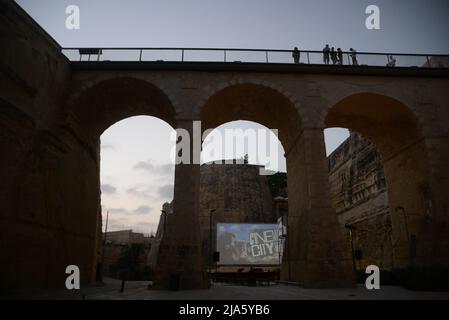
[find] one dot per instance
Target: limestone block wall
(359, 195)
(49, 217)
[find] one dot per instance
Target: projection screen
(249, 244)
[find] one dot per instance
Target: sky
(137, 179)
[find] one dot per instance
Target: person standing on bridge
(334, 56)
(340, 56)
(391, 61)
(354, 57)
(296, 55)
(326, 52)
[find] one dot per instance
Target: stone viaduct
(53, 111)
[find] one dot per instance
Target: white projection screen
(249, 244)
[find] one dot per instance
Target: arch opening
(98, 108)
(137, 180)
(306, 255)
(379, 181)
(242, 194)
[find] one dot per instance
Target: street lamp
(407, 235)
(210, 239)
(287, 238)
(351, 237)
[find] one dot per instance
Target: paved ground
(137, 290)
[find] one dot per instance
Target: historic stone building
(126, 237)
(359, 195)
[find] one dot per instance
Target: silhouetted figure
(326, 52)
(123, 274)
(227, 246)
(354, 57)
(296, 55)
(391, 61)
(334, 56)
(340, 56)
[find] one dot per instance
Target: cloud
(141, 191)
(117, 210)
(166, 192)
(107, 146)
(108, 188)
(159, 169)
(143, 210)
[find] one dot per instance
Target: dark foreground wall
(41, 214)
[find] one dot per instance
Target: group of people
(329, 54)
(336, 56)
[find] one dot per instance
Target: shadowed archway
(67, 173)
(395, 131)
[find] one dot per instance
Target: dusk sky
(136, 174)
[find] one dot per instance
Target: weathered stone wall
(359, 195)
(40, 192)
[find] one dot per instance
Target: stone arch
(396, 131)
(370, 114)
(312, 258)
(405, 100)
(262, 102)
(103, 103)
(212, 90)
(68, 178)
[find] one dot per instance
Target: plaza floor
(138, 290)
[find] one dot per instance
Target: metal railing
(271, 56)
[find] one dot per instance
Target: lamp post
(351, 238)
(407, 235)
(210, 239)
(288, 243)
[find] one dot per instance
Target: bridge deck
(261, 67)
